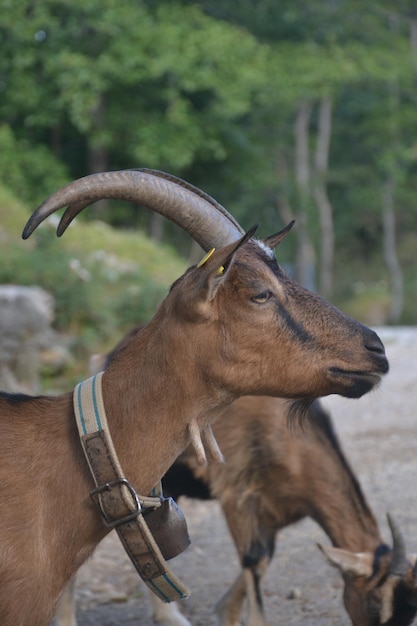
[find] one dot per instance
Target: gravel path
(378, 434)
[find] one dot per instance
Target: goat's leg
(253, 531)
(66, 609)
(229, 607)
(167, 614)
(253, 576)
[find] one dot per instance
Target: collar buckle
(134, 498)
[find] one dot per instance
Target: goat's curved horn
(208, 223)
(399, 564)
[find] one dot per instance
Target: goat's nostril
(376, 347)
(374, 344)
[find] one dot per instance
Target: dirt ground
(379, 435)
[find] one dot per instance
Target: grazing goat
(273, 477)
(231, 326)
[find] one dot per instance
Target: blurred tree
(239, 97)
(158, 85)
(327, 54)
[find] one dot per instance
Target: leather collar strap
(120, 506)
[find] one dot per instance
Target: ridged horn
(399, 564)
(204, 219)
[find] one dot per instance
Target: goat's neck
(340, 508)
(150, 404)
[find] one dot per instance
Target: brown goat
(273, 477)
(232, 326)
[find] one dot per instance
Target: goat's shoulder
(25, 419)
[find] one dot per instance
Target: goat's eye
(261, 298)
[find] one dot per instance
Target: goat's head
(380, 588)
(253, 329)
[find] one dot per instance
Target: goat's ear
(273, 240)
(215, 265)
(356, 563)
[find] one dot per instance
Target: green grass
(13, 215)
(103, 280)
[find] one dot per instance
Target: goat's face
(373, 594)
(381, 599)
(265, 334)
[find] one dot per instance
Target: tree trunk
(322, 199)
(156, 230)
(304, 270)
(390, 252)
(388, 194)
(285, 211)
(413, 43)
(98, 156)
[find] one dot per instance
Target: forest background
(277, 108)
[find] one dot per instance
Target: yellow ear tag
(207, 257)
(220, 270)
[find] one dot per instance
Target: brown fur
(210, 342)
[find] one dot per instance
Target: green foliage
(160, 82)
(99, 280)
(92, 290)
(32, 171)
(49, 267)
(13, 214)
(103, 281)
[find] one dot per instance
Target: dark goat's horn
(206, 221)
(399, 564)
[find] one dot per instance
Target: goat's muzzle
(358, 382)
